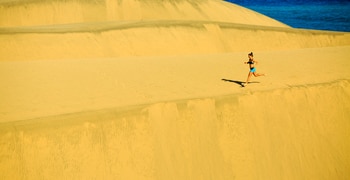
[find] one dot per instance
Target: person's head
(250, 55)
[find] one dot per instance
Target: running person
(252, 68)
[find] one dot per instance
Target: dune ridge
(127, 39)
(40, 88)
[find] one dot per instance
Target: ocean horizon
(332, 15)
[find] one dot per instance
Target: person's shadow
(237, 82)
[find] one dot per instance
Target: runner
(252, 68)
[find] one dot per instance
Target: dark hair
(250, 54)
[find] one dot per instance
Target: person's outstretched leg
(258, 74)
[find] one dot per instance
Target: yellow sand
(150, 90)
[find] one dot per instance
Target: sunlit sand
(135, 89)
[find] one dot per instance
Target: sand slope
(151, 90)
(220, 138)
(155, 38)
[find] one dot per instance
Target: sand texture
(137, 89)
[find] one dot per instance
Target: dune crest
(44, 12)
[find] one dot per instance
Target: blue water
(331, 15)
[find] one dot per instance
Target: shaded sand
(144, 90)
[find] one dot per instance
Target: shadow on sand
(238, 82)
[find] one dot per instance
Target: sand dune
(15, 13)
(151, 90)
(196, 29)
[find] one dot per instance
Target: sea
(333, 15)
